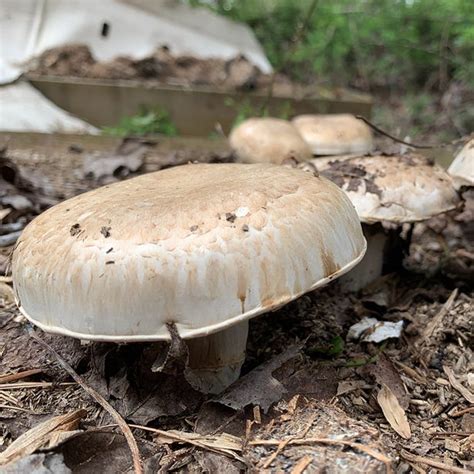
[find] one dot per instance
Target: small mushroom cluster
(387, 191)
(272, 140)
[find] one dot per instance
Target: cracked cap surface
(398, 189)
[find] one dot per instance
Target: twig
(462, 412)
(180, 438)
(438, 319)
(302, 464)
(399, 140)
(445, 434)
(283, 444)
(10, 407)
(431, 462)
(361, 447)
(20, 375)
(132, 443)
(28, 385)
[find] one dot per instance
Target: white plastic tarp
(25, 109)
(118, 27)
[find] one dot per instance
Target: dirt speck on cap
(105, 231)
(344, 172)
(75, 229)
(230, 217)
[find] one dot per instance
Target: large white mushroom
(201, 247)
(462, 167)
(335, 134)
(391, 190)
(268, 140)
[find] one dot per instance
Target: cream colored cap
(204, 246)
(462, 168)
(268, 140)
(335, 134)
(397, 189)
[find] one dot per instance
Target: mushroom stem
(215, 360)
(370, 267)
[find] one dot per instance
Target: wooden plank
(194, 112)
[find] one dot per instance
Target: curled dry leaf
(466, 393)
(45, 434)
(393, 412)
(259, 387)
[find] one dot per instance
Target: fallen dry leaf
(43, 435)
(385, 373)
(258, 387)
(466, 393)
(221, 442)
(393, 412)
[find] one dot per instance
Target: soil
(162, 67)
(321, 402)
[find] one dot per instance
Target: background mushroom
(202, 248)
(462, 167)
(268, 140)
(336, 134)
(387, 191)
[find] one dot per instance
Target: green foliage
(333, 349)
(146, 122)
(365, 43)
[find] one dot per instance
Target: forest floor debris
(351, 405)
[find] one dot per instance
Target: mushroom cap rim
(198, 332)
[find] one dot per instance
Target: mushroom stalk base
(370, 267)
(215, 360)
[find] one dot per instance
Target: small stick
(399, 140)
(127, 432)
(20, 375)
(361, 447)
(445, 434)
(28, 385)
(462, 412)
(194, 442)
(303, 463)
(431, 462)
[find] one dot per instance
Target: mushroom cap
(398, 189)
(268, 140)
(203, 246)
(335, 134)
(462, 168)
